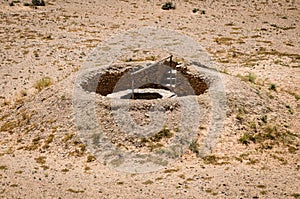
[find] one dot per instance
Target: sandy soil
(255, 46)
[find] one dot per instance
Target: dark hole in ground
(146, 96)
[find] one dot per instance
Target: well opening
(160, 78)
(145, 96)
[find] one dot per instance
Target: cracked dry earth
(255, 47)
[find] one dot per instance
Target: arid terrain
(255, 48)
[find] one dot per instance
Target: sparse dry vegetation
(194, 147)
(75, 191)
(250, 77)
(3, 167)
(91, 158)
(43, 83)
(164, 133)
(40, 160)
(45, 43)
(168, 6)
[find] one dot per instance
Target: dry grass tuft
(43, 83)
(41, 160)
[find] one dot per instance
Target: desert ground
(255, 48)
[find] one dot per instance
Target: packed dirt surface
(255, 48)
